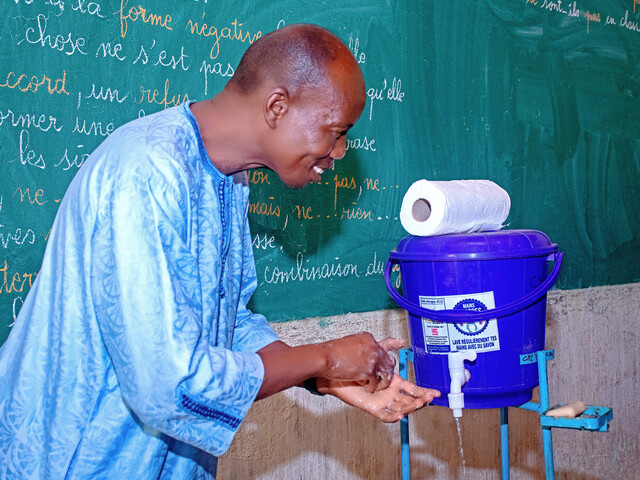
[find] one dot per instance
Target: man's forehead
(339, 100)
(337, 109)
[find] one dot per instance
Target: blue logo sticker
(471, 328)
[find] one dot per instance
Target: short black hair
(294, 56)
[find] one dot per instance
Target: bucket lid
(475, 246)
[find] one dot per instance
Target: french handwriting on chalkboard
(306, 271)
(77, 69)
(391, 90)
(203, 30)
(67, 43)
(131, 37)
(590, 17)
(42, 121)
(26, 82)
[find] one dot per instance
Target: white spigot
(459, 376)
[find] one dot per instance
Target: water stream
(464, 465)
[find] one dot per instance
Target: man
(134, 355)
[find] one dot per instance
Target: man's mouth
(320, 170)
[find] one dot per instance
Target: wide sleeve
(252, 331)
(148, 304)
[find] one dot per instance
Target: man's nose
(339, 149)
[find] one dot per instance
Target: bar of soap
(569, 410)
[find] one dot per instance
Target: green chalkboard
(542, 97)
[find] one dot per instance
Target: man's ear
(276, 106)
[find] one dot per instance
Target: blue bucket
(479, 291)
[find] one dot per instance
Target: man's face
(313, 133)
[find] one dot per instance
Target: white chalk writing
(301, 272)
(216, 68)
(394, 93)
(68, 44)
(107, 94)
(17, 236)
(42, 122)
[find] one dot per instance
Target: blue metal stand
(593, 418)
(405, 356)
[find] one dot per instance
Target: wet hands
(391, 404)
(388, 400)
(361, 360)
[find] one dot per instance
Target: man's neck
(229, 132)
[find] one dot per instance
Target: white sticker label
(442, 337)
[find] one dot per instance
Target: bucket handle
(457, 316)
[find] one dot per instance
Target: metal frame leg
(404, 356)
(504, 441)
(595, 419)
(406, 457)
(544, 406)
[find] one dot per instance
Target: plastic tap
(459, 376)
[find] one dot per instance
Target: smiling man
(288, 107)
(134, 355)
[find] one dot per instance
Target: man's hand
(356, 358)
(390, 405)
(361, 359)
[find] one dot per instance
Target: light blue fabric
(133, 356)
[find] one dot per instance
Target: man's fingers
(390, 343)
(389, 417)
(370, 385)
(384, 380)
(415, 391)
(388, 363)
(404, 404)
(396, 411)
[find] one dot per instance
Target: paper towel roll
(456, 206)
